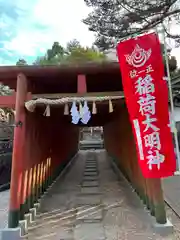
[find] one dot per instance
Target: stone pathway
(91, 203)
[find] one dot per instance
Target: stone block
(91, 170)
(91, 167)
(23, 227)
(90, 190)
(33, 212)
(88, 200)
(28, 218)
(90, 183)
(90, 173)
(10, 234)
(163, 229)
(90, 178)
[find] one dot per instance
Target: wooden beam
(88, 94)
(81, 84)
(9, 101)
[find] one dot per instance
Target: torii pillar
(18, 159)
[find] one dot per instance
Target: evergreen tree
(114, 20)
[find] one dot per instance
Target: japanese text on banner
(145, 90)
(146, 95)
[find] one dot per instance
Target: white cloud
(27, 43)
(64, 18)
(63, 22)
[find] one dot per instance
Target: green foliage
(73, 44)
(47, 61)
(56, 49)
(72, 53)
(21, 62)
(80, 54)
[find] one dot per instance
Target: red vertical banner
(146, 94)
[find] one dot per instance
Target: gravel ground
(4, 200)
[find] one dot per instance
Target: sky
(29, 27)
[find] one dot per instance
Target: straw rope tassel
(66, 109)
(94, 109)
(110, 106)
(8, 117)
(47, 111)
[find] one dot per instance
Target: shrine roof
(62, 77)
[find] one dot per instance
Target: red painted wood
(18, 157)
(81, 84)
(10, 101)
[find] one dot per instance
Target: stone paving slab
(88, 200)
(90, 173)
(92, 231)
(87, 170)
(91, 160)
(90, 178)
(65, 233)
(91, 163)
(91, 169)
(90, 190)
(89, 166)
(90, 184)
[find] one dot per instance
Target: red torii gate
(38, 157)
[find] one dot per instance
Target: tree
(56, 49)
(114, 20)
(45, 60)
(75, 53)
(52, 56)
(72, 53)
(73, 44)
(21, 62)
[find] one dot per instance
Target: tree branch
(161, 18)
(173, 36)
